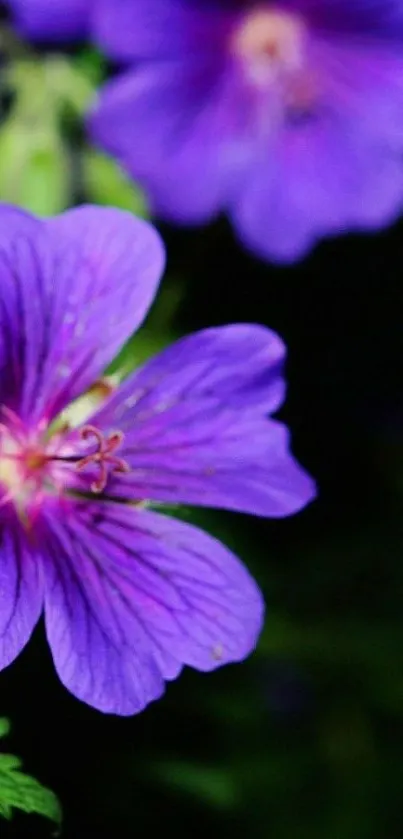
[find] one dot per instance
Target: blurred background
(304, 740)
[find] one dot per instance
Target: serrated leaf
(22, 792)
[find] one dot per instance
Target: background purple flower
(287, 116)
(51, 20)
(129, 595)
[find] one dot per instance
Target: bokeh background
(304, 740)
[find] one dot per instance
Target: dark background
(304, 740)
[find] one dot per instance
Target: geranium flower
(129, 594)
(286, 115)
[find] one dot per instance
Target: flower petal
(130, 30)
(240, 365)
(242, 150)
(131, 596)
(50, 20)
(21, 592)
(100, 650)
(73, 289)
(182, 130)
(365, 18)
(195, 427)
(324, 178)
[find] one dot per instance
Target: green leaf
(48, 84)
(4, 727)
(35, 170)
(213, 785)
(33, 167)
(106, 183)
(20, 791)
(91, 64)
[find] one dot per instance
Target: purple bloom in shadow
(129, 595)
(288, 116)
(51, 20)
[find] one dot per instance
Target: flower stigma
(103, 457)
(34, 465)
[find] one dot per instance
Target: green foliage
(51, 95)
(36, 159)
(33, 159)
(33, 165)
(211, 784)
(106, 183)
(20, 791)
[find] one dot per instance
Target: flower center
(272, 47)
(32, 464)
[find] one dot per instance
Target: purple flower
(129, 595)
(51, 20)
(287, 115)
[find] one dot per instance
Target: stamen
(103, 457)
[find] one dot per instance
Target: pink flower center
(272, 47)
(34, 464)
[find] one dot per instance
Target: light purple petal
(132, 29)
(182, 130)
(200, 455)
(73, 289)
(323, 182)
(167, 28)
(195, 427)
(131, 596)
(21, 592)
(16, 226)
(365, 18)
(51, 20)
(362, 89)
(240, 365)
(99, 647)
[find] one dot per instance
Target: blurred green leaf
(91, 63)
(213, 785)
(373, 652)
(50, 84)
(34, 168)
(106, 183)
(34, 163)
(336, 642)
(20, 791)
(4, 727)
